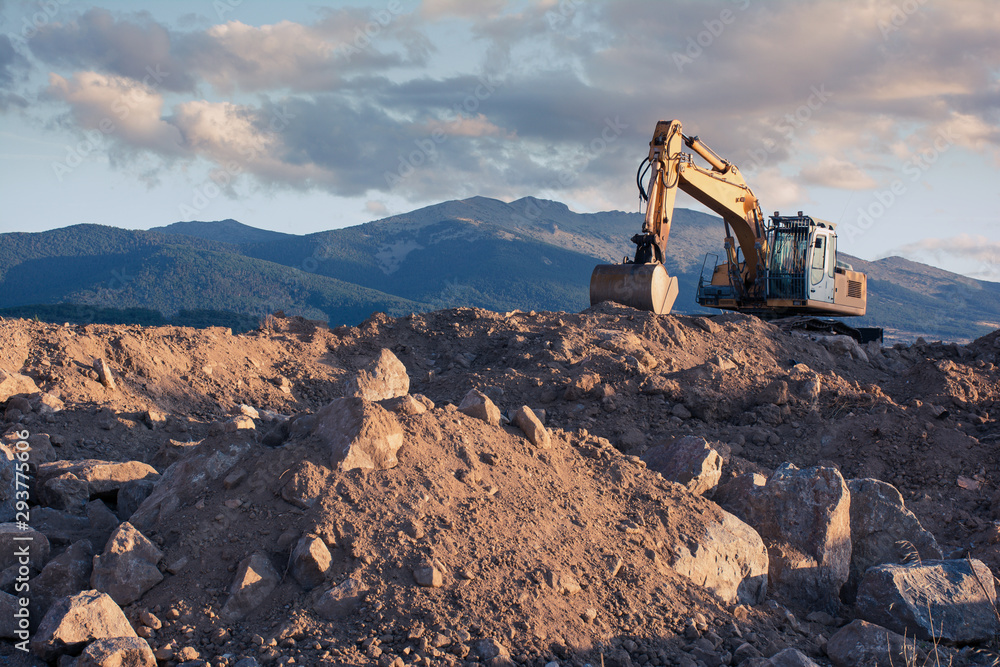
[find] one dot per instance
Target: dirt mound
(479, 545)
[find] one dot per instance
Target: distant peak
(541, 203)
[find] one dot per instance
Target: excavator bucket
(642, 286)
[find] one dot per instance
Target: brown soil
(501, 518)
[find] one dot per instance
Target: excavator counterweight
(784, 267)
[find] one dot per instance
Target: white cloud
(122, 108)
(285, 54)
(753, 97)
(972, 255)
(833, 172)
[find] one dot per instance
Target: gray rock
(383, 378)
(863, 643)
(255, 579)
(803, 517)
(37, 445)
(360, 434)
(477, 404)
(101, 521)
(8, 483)
(128, 566)
(66, 574)
(310, 561)
(185, 481)
(103, 371)
(689, 461)
(489, 648)
(10, 609)
(59, 527)
(66, 492)
(880, 522)
(953, 600)
(15, 543)
(103, 477)
(428, 576)
(131, 495)
(728, 558)
(791, 657)
(75, 621)
(532, 427)
(172, 451)
(12, 384)
(47, 404)
(340, 601)
(680, 411)
(117, 652)
(404, 405)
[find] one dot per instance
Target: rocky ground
(388, 493)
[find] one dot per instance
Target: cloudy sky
(881, 116)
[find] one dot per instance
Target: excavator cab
(803, 259)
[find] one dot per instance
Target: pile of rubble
(468, 487)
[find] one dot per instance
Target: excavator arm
(721, 188)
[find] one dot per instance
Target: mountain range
(526, 254)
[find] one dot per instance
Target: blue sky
(881, 116)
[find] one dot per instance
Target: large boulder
(103, 478)
(66, 492)
(340, 601)
(18, 541)
(477, 404)
(64, 575)
(117, 652)
(310, 561)
(803, 517)
(12, 384)
(532, 426)
(131, 495)
(728, 559)
(75, 621)
(863, 643)
(128, 566)
(385, 377)
(63, 528)
(186, 480)
(359, 433)
(254, 581)
(950, 600)
(883, 531)
(689, 461)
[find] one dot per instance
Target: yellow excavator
(785, 267)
